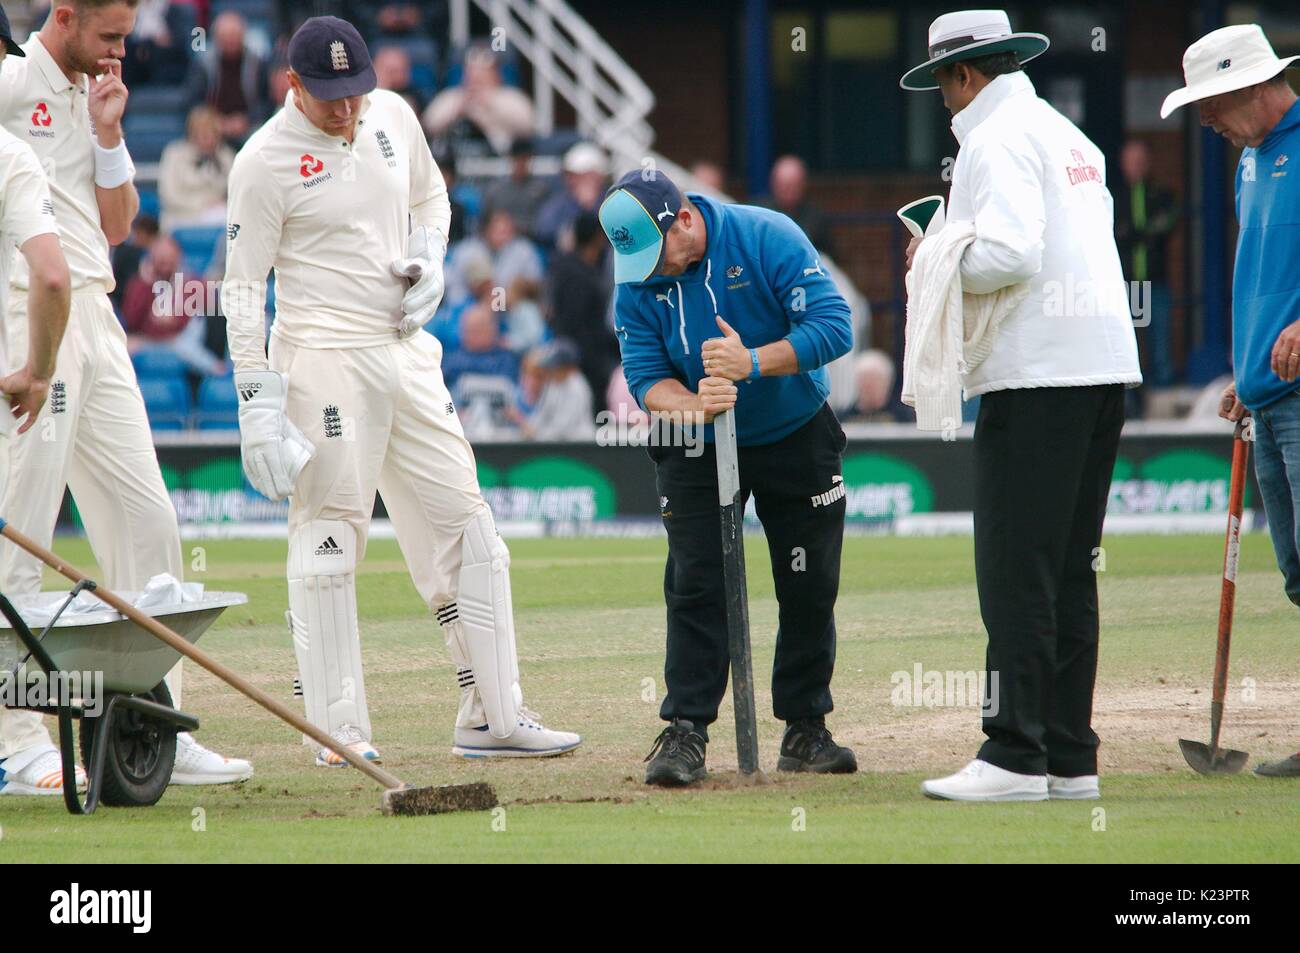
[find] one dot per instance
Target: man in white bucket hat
(1240, 87)
(1029, 197)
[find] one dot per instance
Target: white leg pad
(323, 621)
(480, 631)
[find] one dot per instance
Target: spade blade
(1203, 761)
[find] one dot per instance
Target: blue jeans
(1277, 467)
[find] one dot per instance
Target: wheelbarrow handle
(198, 656)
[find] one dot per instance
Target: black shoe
(808, 746)
(677, 758)
(1284, 768)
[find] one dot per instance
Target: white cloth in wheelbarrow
(162, 590)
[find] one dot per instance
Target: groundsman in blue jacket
(1241, 90)
(720, 307)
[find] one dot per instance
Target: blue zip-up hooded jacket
(1266, 276)
(762, 275)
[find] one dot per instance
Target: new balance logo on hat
(329, 548)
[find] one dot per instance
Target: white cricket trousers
(381, 419)
(92, 436)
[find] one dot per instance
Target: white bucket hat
(967, 34)
(585, 157)
(1233, 57)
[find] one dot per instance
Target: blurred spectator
(395, 19)
(1145, 215)
(193, 171)
(482, 107)
(516, 278)
(154, 307)
(471, 268)
(621, 404)
(393, 72)
(278, 84)
(481, 377)
(459, 227)
(561, 408)
(1205, 408)
(708, 177)
(422, 18)
(126, 256)
(521, 193)
(788, 183)
(232, 79)
(578, 291)
(157, 51)
(875, 375)
(586, 174)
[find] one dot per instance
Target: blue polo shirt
(1266, 276)
(763, 276)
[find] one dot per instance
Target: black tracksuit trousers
(799, 498)
(1043, 464)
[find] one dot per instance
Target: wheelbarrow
(128, 732)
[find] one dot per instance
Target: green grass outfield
(590, 623)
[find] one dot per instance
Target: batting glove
(273, 450)
(425, 251)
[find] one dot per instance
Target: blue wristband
(754, 374)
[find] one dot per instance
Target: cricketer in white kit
(339, 193)
(27, 222)
(65, 99)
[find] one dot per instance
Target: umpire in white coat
(1052, 403)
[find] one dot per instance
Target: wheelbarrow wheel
(140, 756)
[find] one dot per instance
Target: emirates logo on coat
(41, 115)
(1082, 171)
(310, 165)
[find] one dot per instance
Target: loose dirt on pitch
(590, 623)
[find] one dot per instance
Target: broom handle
(1228, 595)
(198, 656)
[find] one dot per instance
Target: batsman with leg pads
(340, 195)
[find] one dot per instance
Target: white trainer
(981, 781)
(195, 764)
(350, 737)
(36, 771)
(1085, 787)
(530, 739)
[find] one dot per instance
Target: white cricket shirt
(26, 211)
(330, 217)
(40, 106)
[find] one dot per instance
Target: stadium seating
(158, 364)
(167, 402)
(150, 204)
(218, 407)
(198, 245)
(149, 133)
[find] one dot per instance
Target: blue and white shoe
(530, 739)
(37, 771)
(350, 737)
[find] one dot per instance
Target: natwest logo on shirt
(313, 170)
(41, 119)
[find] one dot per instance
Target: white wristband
(112, 166)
